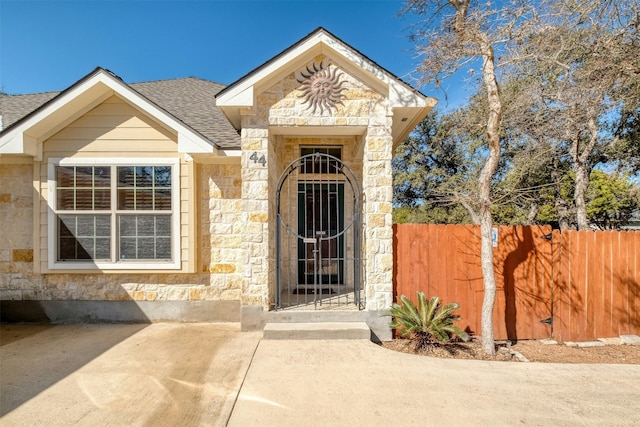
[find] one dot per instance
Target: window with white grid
(118, 215)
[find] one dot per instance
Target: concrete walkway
(208, 375)
(357, 383)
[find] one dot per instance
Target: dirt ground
(532, 350)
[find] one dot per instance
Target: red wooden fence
(597, 284)
(588, 281)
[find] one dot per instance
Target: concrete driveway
(163, 374)
(212, 374)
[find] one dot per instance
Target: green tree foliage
(432, 173)
(611, 200)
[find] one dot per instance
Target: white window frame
(173, 264)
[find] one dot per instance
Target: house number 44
(257, 159)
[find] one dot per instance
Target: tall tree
(458, 33)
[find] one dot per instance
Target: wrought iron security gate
(318, 234)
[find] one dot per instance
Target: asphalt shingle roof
(190, 100)
(15, 107)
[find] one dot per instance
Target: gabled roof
(409, 105)
(185, 106)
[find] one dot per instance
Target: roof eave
(25, 136)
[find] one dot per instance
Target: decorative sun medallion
(321, 87)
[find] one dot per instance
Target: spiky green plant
(429, 324)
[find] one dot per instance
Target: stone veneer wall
(16, 231)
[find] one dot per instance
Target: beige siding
(113, 128)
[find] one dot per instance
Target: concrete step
(317, 331)
(313, 316)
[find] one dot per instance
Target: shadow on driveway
(113, 374)
(34, 357)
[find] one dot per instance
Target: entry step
(317, 331)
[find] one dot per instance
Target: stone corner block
(22, 255)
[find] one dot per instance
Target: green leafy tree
(611, 200)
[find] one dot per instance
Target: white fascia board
(16, 142)
(243, 97)
(188, 144)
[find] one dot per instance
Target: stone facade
(278, 109)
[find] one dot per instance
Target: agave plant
(429, 324)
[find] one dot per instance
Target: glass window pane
(145, 237)
(65, 199)
(163, 200)
(163, 248)
(102, 199)
(321, 165)
(126, 199)
(144, 188)
(146, 225)
(85, 226)
(103, 225)
(127, 248)
(127, 225)
(102, 176)
(85, 248)
(84, 237)
(103, 248)
(64, 176)
(146, 248)
(66, 226)
(163, 225)
(144, 176)
(84, 199)
(83, 187)
(67, 249)
(84, 176)
(126, 176)
(144, 199)
(163, 176)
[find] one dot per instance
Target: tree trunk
(484, 181)
(486, 175)
(533, 213)
(563, 213)
(561, 205)
(582, 182)
(582, 169)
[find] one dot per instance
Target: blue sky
(49, 45)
